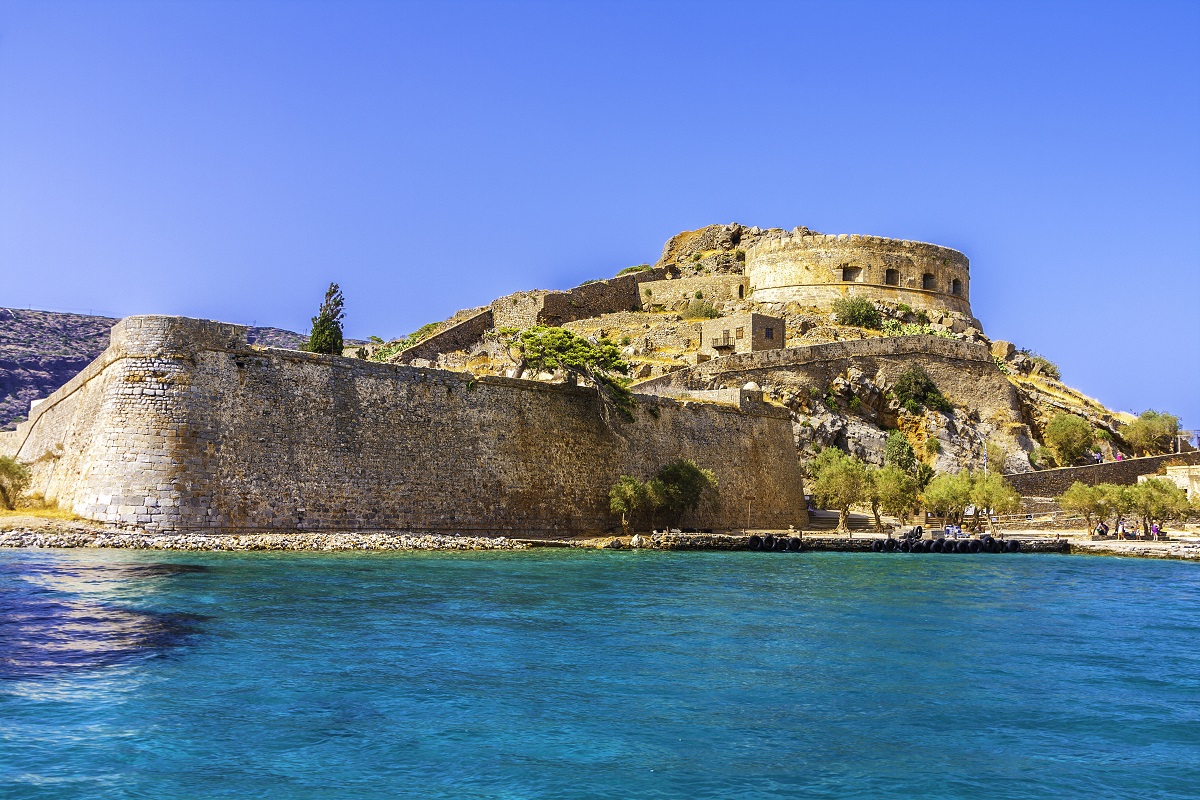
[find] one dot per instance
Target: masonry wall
(1053, 482)
(963, 371)
(807, 269)
(675, 294)
(457, 337)
(527, 309)
(181, 426)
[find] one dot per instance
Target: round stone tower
(814, 270)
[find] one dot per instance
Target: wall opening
(927, 282)
(956, 286)
(892, 277)
(852, 274)
(741, 291)
(769, 333)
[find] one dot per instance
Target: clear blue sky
(228, 159)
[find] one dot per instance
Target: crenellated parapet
(816, 269)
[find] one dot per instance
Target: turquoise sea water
(566, 674)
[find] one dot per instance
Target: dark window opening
(852, 274)
(741, 292)
(739, 332)
(956, 286)
(892, 277)
(927, 282)
(769, 333)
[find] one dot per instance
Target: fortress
(182, 425)
(813, 269)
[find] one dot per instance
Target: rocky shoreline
(299, 541)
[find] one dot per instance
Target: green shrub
(915, 387)
(932, 446)
(922, 317)
(700, 309)
(1042, 458)
(1043, 365)
(1068, 437)
(699, 295)
(1001, 365)
(1152, 432)
(858, 312)
(626, 341)
(678, 488)
(638, 268)
(855, 403)
(14, 480)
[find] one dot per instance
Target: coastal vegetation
(675, 490)
(14, 480)
(839, 480)
(1150, 501)
(326, 334)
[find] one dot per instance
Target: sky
(228, 160)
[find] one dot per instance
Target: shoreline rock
(297, 541)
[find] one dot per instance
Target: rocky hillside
(42, 350)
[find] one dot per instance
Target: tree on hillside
(625, 497)
(1068, 437)
(1151, 433)
(544, 349)
(839, 481)
(678, 488)
(14, 480)
(1090, 502)
(326, 334)
(895, 492)
(991, 493)
(914, 389)
(948, 495)
(897, 452)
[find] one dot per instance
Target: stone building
(815, 269)
(741, 333)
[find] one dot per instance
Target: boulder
(1003, 350)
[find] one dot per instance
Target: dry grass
(42, 512)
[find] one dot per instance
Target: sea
(596, 674)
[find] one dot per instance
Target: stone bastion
(180, 425)
(815, 269)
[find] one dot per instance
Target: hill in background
(42, 350)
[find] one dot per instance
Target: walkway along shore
(30, 532)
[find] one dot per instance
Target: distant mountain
(42, 350)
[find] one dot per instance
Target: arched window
(927, 282)
(956, 286)
(741, 291)
(892, 277)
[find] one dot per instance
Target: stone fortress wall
(815, 269)
(180, 425)
(963, 371)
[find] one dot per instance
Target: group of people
(1129, 532)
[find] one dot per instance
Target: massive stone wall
(1053, 482)
(539, 307)
(808, 269)
(180, 425)
(457, 337)
(676, 294)
(963, 371)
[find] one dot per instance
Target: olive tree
(625, 497)
(992, 493)
(1158, 500)
(839, 481)
(894, 491)
(1090, 502)
(1152, 432)
(678, 488)
(1068, 438)
(14, 480)
(948, 495)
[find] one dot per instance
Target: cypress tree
(326, 334)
